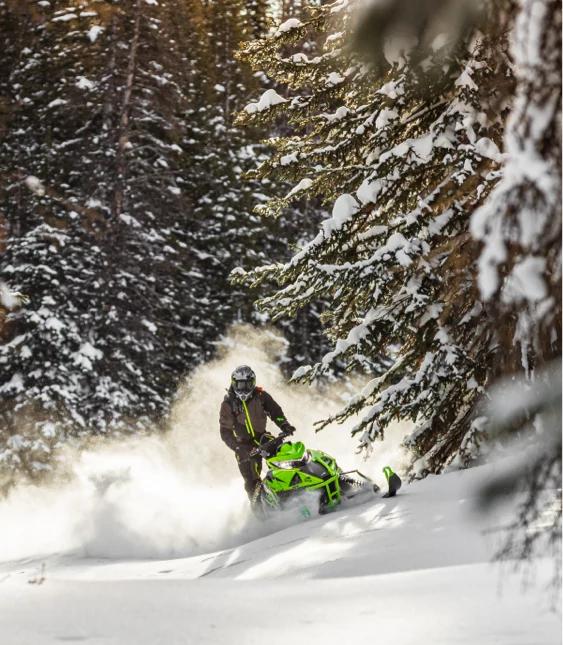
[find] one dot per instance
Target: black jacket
(241, 425)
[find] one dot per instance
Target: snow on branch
(523, 211)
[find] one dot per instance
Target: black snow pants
(250, 471)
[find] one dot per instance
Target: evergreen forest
(123, 210)
(382, 185)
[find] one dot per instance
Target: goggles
(243, 386)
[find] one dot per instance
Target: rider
(242, 422)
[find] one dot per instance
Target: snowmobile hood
(291, 451)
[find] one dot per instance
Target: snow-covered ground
(414, 569)
(150, 542)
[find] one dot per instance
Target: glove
(287, 429)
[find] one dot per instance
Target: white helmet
(243, 382)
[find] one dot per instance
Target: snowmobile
(294, 470)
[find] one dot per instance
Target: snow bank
(349, 577)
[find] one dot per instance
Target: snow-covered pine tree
(97, 101)
(520, 277)
(48, 255)
(405, 157)
(227, 230)
(124, 211)
(301, 219)
(277, 237)
(229, 233)
(520, 224)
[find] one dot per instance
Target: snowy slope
(415, 569)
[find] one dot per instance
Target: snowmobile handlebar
(271, 447)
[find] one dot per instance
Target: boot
(254, 498)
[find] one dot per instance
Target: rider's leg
(250, 471)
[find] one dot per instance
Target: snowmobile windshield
(291, 451)
(293, 463)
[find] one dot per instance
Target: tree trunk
(126, 114)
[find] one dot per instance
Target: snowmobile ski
(393, 481)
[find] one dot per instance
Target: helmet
(243, 382)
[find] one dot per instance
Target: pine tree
(45, 250)
(406, 155)
(99, 99)
(300, 220)
(230, 233)
(520, 225)
(520, 280)
(125, 211)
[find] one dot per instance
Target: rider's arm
(226, 420)
(273, 410)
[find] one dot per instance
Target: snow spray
(179, 493)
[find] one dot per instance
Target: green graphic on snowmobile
(293, 469)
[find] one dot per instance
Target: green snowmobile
(294, 470)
